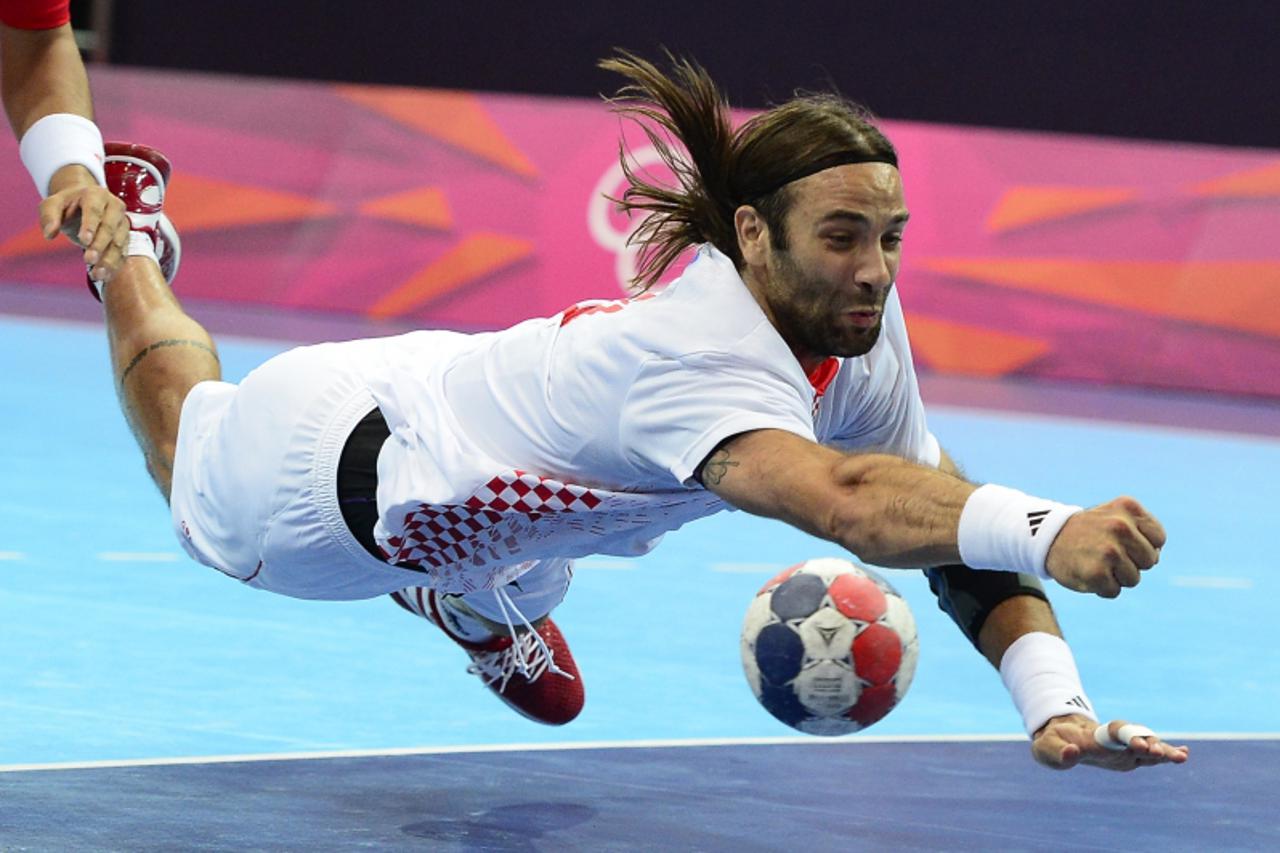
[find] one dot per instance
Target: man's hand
(1103, 549)
(90, 216)
(1064, 742)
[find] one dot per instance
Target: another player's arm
(892, 512)
(42, 76)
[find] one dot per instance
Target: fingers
(1151, 751)
(1140, 533)
(1132, 746)
(1064, 742)
(105, 252)
(1133, 548)
(91, 210)
(54, 211)
(92, 218)
(1114, 544)
(1147, 524)
(108, 262)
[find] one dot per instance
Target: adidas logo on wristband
(994, 528)
(1035, 519)
(1081, 703)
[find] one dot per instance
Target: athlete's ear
(753, 235)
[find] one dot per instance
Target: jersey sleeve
(35, 14)
(678, 410)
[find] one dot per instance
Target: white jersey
(580, 433)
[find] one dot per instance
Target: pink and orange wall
(1027, 255)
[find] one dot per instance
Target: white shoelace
(528, 653)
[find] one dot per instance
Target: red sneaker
(138, 176)
(545, 690)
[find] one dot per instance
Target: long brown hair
(717, 168)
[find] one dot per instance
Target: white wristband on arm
(1010, 531)
(58, 140)
(1040, 674)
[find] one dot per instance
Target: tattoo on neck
(716, 467)
(171, 342)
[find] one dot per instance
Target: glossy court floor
(147, 703)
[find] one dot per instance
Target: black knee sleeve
(969, 595)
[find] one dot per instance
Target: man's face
(826, 292)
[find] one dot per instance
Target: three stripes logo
(1035, 519)
(1079, 702)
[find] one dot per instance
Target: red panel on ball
(858, 597)
(873, 704)
(877, 654)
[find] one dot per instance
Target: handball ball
(829, 647)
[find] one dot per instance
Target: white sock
(141, 245)
(461, 621)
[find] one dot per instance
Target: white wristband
(1040, 674)
(1009, 531)
(58, 140)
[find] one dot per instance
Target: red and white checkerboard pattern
(443, 535)
(531, 494)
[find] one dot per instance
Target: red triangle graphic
(456, 118)
(1022, 206)
(1242, 295)
(426, 207)
(474, 258)
(1255, 183)
(952, 347)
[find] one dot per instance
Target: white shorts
(255, 483)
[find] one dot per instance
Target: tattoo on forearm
(716, 467)
(171, 342)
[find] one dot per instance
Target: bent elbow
(855, 527)
(859, 518)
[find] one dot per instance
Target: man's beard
(808, 324)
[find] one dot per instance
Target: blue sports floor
(148, 703)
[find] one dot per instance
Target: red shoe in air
(138, 176)
(518, 671)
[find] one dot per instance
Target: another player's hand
(1106, 548)
(1064, 742)
(90, 216)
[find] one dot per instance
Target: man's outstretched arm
(42, 74)
(892, 512)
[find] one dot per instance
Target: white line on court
(747, 568)
(1205, 582)
(11, 555)
(138, 556)
(603, 744)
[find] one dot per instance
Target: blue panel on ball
(779, 653)
(783, 704)
(798, 596)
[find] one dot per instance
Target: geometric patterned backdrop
(1027, 255)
